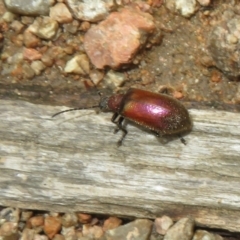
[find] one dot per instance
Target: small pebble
(114, 78)
(31, 54)
(85, 26)
(138, 229)
(69, 219)
(8, 17)
(52, 226)
(30, 40)
(204, 2)
(177, 94)
(60, 13)
(26, 215)
(58, 237)
(17, 26)
(45, 28)
(36, 221)
(69, 232)
(10, 214)
(111, 223)
(216, 76)
(163, 224)
(182, 229)
(92, 231)
(78, 64)
(37, 67)
(96, 76)
(40, 237)
(204, 235)
(28, 234)
(84, 217)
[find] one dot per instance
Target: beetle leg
(118, 122)
(114, 117)
(155, 133)
(120, 127)
(183, 141)
(115, 121)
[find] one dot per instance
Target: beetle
(161, 114)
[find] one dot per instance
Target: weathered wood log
(72, 163)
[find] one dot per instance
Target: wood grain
(72, 163)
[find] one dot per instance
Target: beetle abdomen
(158, 112)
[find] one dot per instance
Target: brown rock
(28, 234)
(216, 76)
(204, 2)
(116, 40)
(47, 59)
(1, 40)
(17, 71)
(52, 226)
(45, 27)
(36, 221)
(10, 214)
(111, 223)
(155, 3)
(17, 39)
(85, 26)
(30, 40)
(183, 229)
(223, 44)
(31, 54)
(78, 64)
(69, 233)
(59, 237)
(27, 71)
(207, 61)
(4, 26)
(69, 50)
(114, 78)
(51, 55)
(27, 20)
(17, 26)
(8, 16)
(37, 67)
(8, 228)
(96, 76)
(92, 231)
(139, 229)
(39, 237)
(60, 13)
(163, 224)
(71, 27)
(26, 215)
(177, 94)
(69, 219)
(84, 217)
(201, 235)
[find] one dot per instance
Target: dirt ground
(180, 63)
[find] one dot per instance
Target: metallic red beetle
(160, 113)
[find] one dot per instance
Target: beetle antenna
(74, 109)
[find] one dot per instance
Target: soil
(180, 63)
